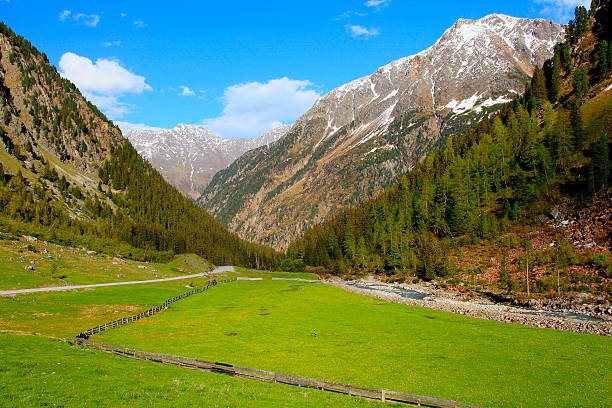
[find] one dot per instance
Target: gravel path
(220, 269)
(439, 301)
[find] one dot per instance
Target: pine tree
(603, 64)
(555, 81)
(581, 82)
(564, 54)
(563, 141)
(537, 91)
(581, 21)
(599, 173)
(349, 242)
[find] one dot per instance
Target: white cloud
(109, 104)
(127, 126)
(89, 20)
(360, 31)
(105, 76)
(186, 91)
(102, 82)
(253, 108)
(63, 16)
(349, 14)
(561, 10)
(140, 24)
(123, 15)
(377, 3)
(111, 43)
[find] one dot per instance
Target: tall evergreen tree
(555, 81)
(599, 173)
(580, 82)
(564, 143)
(603, 64)
(581, 21)
(537, 91)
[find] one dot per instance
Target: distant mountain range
(361, 137)
(188, 156)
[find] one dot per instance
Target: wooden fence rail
(254, 374)
(147, 313)
(272, 377)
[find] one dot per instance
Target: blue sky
(238, 67)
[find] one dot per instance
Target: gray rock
(361, 137)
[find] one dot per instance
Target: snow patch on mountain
(188, 156)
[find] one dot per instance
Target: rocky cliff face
(360, 137)
(47, 125)
(188, 156)
(44, 114)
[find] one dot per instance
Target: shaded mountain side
(67, 174)
(363, 136)
(503, 205)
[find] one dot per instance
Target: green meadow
(296, 328)
(55, 265)
(37, 372)
(324, 332)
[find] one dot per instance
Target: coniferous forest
(58, 143)
(550, 144)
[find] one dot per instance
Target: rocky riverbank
(481, 307)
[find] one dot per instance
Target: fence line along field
(318, 331)
(259, 375)
(312, 330)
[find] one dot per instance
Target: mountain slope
(495, 206)
(67, 174)
(360, 137)
(188, 156)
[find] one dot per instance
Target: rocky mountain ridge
(361, 137)
(188, 156)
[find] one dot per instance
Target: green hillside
(484, 194)
(68, 175)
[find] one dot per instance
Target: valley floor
(292, 327)
(480, 307)
(322, 332)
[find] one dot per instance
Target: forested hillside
(550, 146)
(67, 174)
(361, 137)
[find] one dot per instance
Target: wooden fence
(272, 377)
(146, 313)
(254, 374)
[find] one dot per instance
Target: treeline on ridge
(549, 142)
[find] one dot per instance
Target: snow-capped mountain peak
(360, 137)
(189, 155)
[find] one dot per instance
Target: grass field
(291, 327)
(55, 265)
(37, 372)
(252, 273)
(324, 332)
(38, 369)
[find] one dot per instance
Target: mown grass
(37, 372)
(292, 327)
(67, 313)
(320, 331)
(252, 273)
